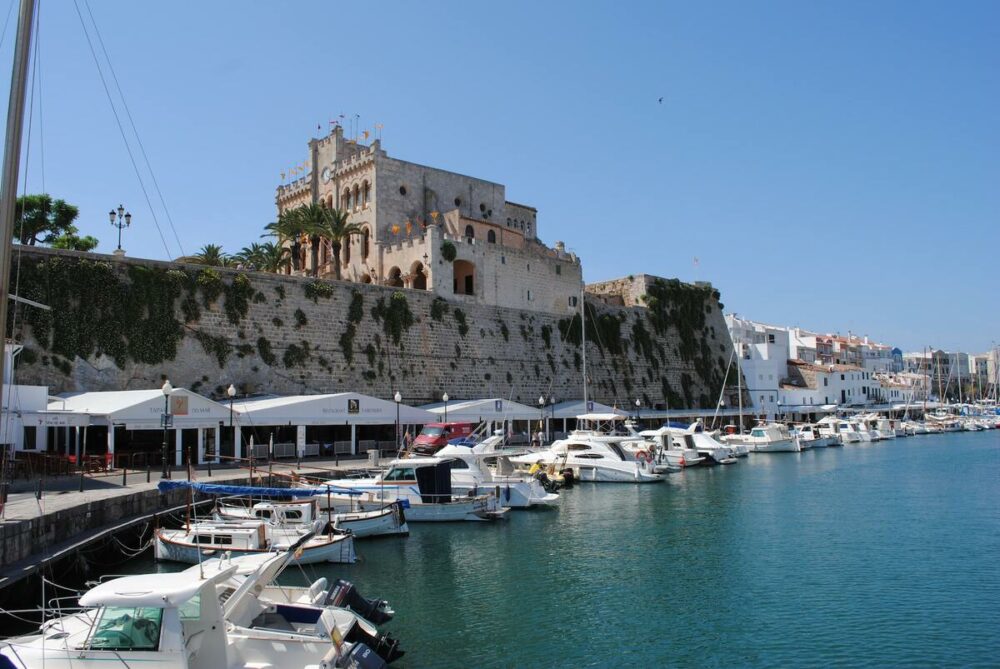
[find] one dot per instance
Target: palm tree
(333, 227)
(250, 256)
(288, 228)
(211, 255)
(274, 257)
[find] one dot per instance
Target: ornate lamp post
(398, 398)
(638, 403)
(444, 398)
(231, 393)
(120, 219)
(165, 419)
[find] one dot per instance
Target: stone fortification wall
(125, 324)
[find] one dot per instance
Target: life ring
(642, 455)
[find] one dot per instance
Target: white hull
(515, 494)
(372, 523)
(476, 509)
(588, 472)
(170, 545)
(779, 446)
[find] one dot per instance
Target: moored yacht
(768, 438)
(593, 459)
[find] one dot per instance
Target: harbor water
(880, 554)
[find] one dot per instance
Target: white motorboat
(202, 539)
(389, 520)
(471, 473)
(177, 621)
(423, 483)
(675, 452)
(767, 438)
(597, 460)
(694, 437)
(809, 436)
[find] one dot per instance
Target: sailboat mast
(12, 159)
(739, 379)
(583, 348)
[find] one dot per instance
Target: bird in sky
(660, 101)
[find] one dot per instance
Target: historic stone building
(414, 218)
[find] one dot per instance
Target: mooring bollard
(81, 480)
(124, 475)
(147, 472)
(210, 467)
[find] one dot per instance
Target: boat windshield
(618, 451)
(127, 628)
(757, 433)
(400, 474)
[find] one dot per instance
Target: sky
(832, 166)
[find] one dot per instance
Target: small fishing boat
(386, 521)
(768, 438)
(202, 539)
(810, 436)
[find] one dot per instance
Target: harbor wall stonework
(129, 323)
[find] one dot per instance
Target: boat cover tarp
(219, 489)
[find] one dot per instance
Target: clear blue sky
(832, 165)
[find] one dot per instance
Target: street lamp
(165, 419)
(231, 393)
(444, 398)
(120, 219)
(398, 398)
(638, 403)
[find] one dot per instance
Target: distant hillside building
(410, 214)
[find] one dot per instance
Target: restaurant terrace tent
(265, 415)
(570, 409)
(143, 410)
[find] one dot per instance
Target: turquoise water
(879, 555)
(882, 555)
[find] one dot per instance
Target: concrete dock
(39, 530)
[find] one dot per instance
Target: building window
(365, 241)
(528, 228)
(30, 432)
(357, 197)
(770, 339)
(469, 232)
(508, 222)
(345, 200)
(491, 237)
(503, 260)
(458, 202)
(482, 208)
(572, 300)
(558, 269)
(402, 190)
(366, 191)
(529, 295)
(841, 377)
(826, 381)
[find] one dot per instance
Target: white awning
(574, 408)
(329, 409)
(478, 411)
(142, 409)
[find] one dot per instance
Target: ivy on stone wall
(355, 312)
(448, 251)
(438, 309)
(211, 284)
(300, 319)
(463, 325)
(317, 289)
(296, 355)
(215, 346)
(265, 352)
(396, 317)
(238, 296)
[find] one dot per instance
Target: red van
(435, 436)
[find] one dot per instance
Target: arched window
(470, 233)
(508, 222)
(465, 273)
(491, 237)
(347, 249)
(357, 197)
(395, 278)
(419, 275)
(366, 192)
(345, 200)
(365, 241)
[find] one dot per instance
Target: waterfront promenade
(39, 530)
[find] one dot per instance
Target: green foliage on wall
(448, 251)
(463, 325)
(547, 335)
(213, 345)
(317, 289)
(211, 285)
(265, 352)
(300, 319)
(395, 318)
(238, 296)
(296, 355)
(438, 309)
(356, 310)
(504, 331)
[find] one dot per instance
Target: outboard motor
(382, 644)
(568, 477)
(344, 594)
(361, 657)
